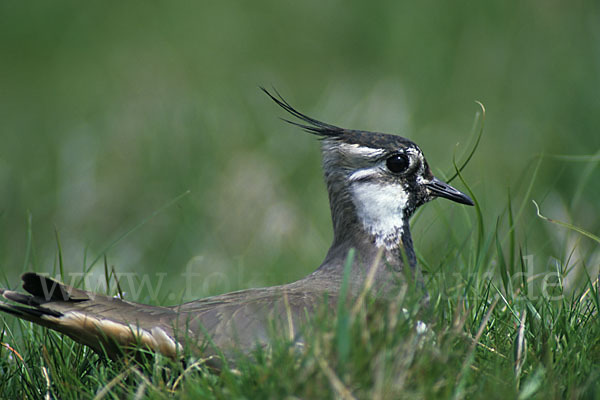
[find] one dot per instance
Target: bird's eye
(397, 163)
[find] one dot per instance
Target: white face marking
(380, 210)
(421, 180)
(380, 167)
(418, 155)
(364, 173)
(360, 151)
(413, 152)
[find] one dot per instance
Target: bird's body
(375, 182)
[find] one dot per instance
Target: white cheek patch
(380, 210)
(364, 173)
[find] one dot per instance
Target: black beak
(442, 189)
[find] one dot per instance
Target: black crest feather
(328, 131)
(314, 126)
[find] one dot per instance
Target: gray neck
(349, 233)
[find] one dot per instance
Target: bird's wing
(103, 323)
(238, 320)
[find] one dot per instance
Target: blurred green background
(110, 110)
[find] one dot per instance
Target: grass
(494, 329)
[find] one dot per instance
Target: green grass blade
(567, 225)
(475, 146)
(343, 317)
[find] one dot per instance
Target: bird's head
(374, 179)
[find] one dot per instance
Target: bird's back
(247, 318)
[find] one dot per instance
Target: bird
(375, 182)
